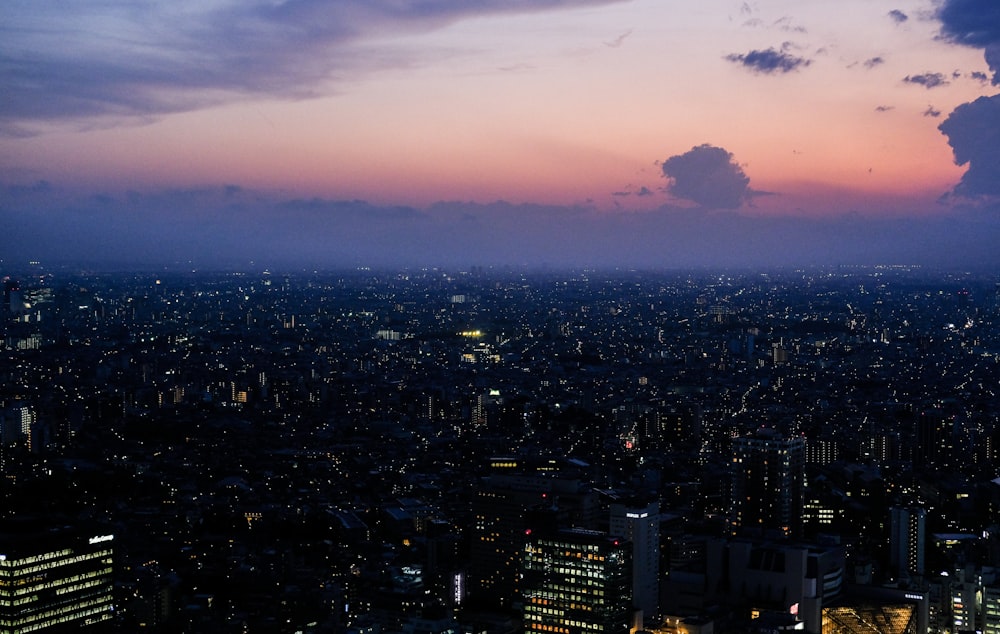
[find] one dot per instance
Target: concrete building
(639, 522)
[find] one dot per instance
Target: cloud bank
(235, 228)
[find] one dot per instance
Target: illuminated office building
(503, 502)
(55, 581)
(991, 609)
(576, 580)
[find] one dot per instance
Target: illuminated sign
(636, 515)
(916, 597)
(100, 538)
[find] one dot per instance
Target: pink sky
(576, 104)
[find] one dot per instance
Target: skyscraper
(576, 580)
(768, 482)
(500, 508)
(638, 521)
(907, 527)
(55, 580)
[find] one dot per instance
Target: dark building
(768, 485)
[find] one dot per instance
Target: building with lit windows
(502, 504)
(768, 482)
(907, 540)
(868, 609)
(55, 581)
(991, 609)
(574, 581)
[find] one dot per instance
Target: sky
(582, 133)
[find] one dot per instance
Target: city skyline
(564, 133)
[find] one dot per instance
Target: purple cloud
(769, 61)
(927, 80)
(119, 59)
(898, 16)
(707, 175)
(973, 131)
(973, 23)
(226, 228)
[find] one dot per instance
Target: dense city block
(495, 451)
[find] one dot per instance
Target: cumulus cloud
(927, 80)
(932, 112)
(769, 61)
(707, 175)
(119, 58)
(873, 62)
(884, 108)
(992, 55)
(973, 23)
(970, 22)
(973, 131)
(898, 16)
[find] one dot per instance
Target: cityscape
(494, 450)
(500, 317)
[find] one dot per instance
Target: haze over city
(561, 133)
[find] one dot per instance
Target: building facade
(768, 482)
(576, 580)
(54, 581)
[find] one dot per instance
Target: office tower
(907, 540)
(638, 521)
(768, 482)
(991, 609)
(576, 580)
(503, 502)
(59, 580)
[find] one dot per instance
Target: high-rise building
(55, 581)
(638, 521)
(576, 580)
(907, 540)
(991, 609)
(768, 482)
(501, 507)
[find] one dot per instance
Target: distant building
(768, 482)
(576, 581)
(51, 581)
